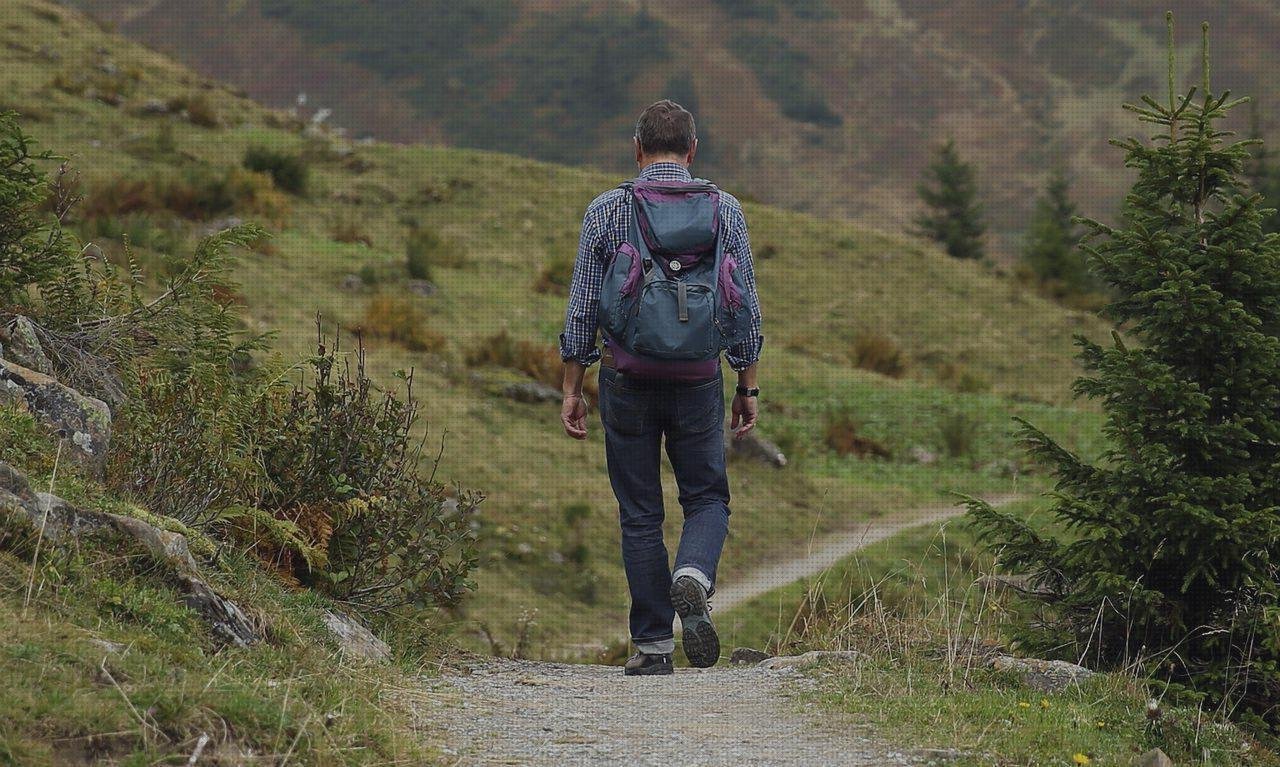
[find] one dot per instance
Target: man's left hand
(746, 412)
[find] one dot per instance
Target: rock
(59, 521)
(754, 447)
(923, 456)
(84, 423)
(351, 283)
(1048, 676)
(355, 640)
(1154, 758)
(226, 620)
(20, 343)
(155, 107)
(422, 288)
(532, 392)
(748, 656)
(114, 648)
(811, 658)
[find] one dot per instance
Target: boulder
(1047, 676)
(83, 423)
(422, 288)
(354, 640)
(748, 656)
(811, 658)
(1154, 758)
(532, 392)
(60, 522)
(753, 447)
(20, 343)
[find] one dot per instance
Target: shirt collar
(665, 171)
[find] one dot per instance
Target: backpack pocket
(620, 289)
(734, 316)
(676, 321)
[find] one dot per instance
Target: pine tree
(1263, 175)
(1053, 241)
(955, 216)
(1174, 547)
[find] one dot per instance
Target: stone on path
(753, 446)
(747, 656)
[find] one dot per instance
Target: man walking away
(664, 273)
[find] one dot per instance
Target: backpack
(671, 297)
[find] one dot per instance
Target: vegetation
(288, 171)
(916, 606)
(1052, 250)
(1172, 563)
(783, 73)
(425, 248)
(954, 217)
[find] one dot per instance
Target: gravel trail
(532, 713)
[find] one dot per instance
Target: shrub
(555, 276)
(840, 433)
(959, 433)
(879, 354)
(197, 192)
(289, 171)
(401, 320)
(961, 379)
(425, 248)
(540, 362)
(197, 108)
(348, 232)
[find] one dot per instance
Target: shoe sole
(701, 643)
(664, 670)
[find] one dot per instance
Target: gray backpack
(670, 294)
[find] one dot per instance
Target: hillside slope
(969, 346)
(830, 106)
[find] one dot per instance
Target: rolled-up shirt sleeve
(578, 341)
(747, 352)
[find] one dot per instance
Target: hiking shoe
(701, 644)
(644, 664)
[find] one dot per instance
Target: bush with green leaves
(1173, 557)
(320, 478)
(426, 248)
(289, 171)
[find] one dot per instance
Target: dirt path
(528, 713)
(533, 713)
(830, 549)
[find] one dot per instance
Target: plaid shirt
(604, 229)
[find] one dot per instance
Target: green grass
(103, 663)
(824, 285)
(912, 606)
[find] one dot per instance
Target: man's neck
(672, 159)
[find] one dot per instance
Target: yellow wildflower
(1081, 759)
(1023, 704)
(1044, 703)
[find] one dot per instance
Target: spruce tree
(1173, 551)
(1264, 176)
(1052, 249)
(954, 218)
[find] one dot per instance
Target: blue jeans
(637, 414)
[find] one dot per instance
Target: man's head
(665, 133)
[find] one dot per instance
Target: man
(639, 410)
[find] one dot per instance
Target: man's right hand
(573, 414)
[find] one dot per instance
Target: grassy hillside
(961, 347)
(796, 97)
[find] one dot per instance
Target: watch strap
(751, 392)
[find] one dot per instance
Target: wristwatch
(745, 392)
